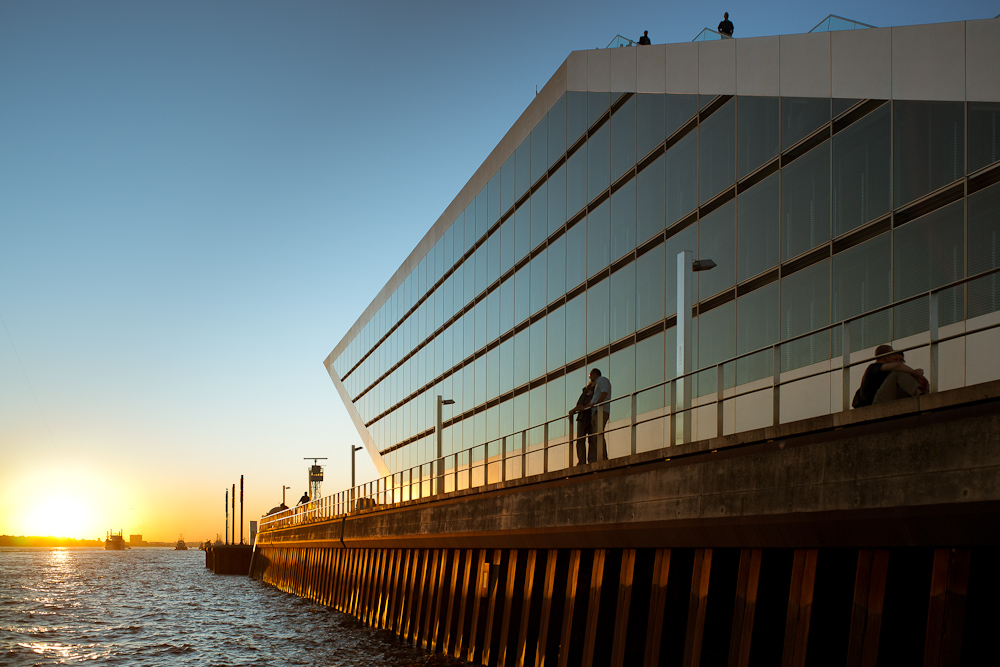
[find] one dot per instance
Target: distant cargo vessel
(181, 545)
(115, 542)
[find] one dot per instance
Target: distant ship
(180, 546)
(115, 542)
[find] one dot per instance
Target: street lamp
(439, 474)
(686, 266)
(283, 489)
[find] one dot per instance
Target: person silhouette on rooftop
(726, 26)
(644, 40)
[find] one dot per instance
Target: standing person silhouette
(644, 40)
(726, 27)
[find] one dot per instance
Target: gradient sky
(198, 199)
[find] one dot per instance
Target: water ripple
(161, 607)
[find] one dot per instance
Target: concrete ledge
(922, 471)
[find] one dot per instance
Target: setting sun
(62, 516)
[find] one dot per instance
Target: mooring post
(226, 503)
(241, 511)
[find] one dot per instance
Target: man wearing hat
(889, 378)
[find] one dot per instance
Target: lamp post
(283, 489)
(686, 266)
(438, 436)
(354, 451)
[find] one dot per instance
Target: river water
(155, 606)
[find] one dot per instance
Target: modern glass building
(828, 175)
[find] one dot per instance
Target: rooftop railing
(660, 416)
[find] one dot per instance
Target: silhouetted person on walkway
(888, 379)
(584, 419)
(304, 499)
(644, 40)
(726, 26)
(601, 412)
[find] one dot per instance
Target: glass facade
(814, 209)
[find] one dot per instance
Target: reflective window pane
(862, 281)
(522, 231)
(576, 254)
(557, 199)
(555, 352)
(928, 150)
(599, 161)
(597, 104)
(927, 253)
(649, 125)
(757, 229)
(717, 155)
(539, 150)
(507, 185)
(507, 245)
(521, 358)
(801, 116)
(756, 328)
(649, 288)
(576, 327)
(621, 373)
(717, 241)
(623, 221)
(557, 269)
(984, 250)
(557, 130)
(984, 134)
(680, 109)
(539, 282)
(576, 182)
(650, 214)
(507, 305)
(805, 202)
(522, 169)
(493, 200)
(536, 359)
(623, 302)
(862, 171)
(522, 294)
(598, 313)
(598, 238)
(682, 178)
(539, 215)
(576, 116)
(805, 307)
(756, 134)
(623, 139)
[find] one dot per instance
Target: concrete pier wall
(852, 538)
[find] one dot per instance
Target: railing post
(545, 447)
(776, 390)
(934, 341)
(673, 412)
(524, 454)
(571, 443)
(633, 427)
(845, 342)
(503, 459)
(719, 388)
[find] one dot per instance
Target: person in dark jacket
(583, 422)
(889, 378)
(726, 27)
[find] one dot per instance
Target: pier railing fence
(764, 387)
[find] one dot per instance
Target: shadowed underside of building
(846, 186)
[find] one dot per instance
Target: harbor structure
(846, 187)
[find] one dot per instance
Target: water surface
(154, 606)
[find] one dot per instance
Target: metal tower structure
(315, 476)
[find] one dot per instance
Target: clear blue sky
(198, 199)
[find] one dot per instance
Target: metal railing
(549, 446)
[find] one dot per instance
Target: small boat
(180, 546)
(115, 541)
